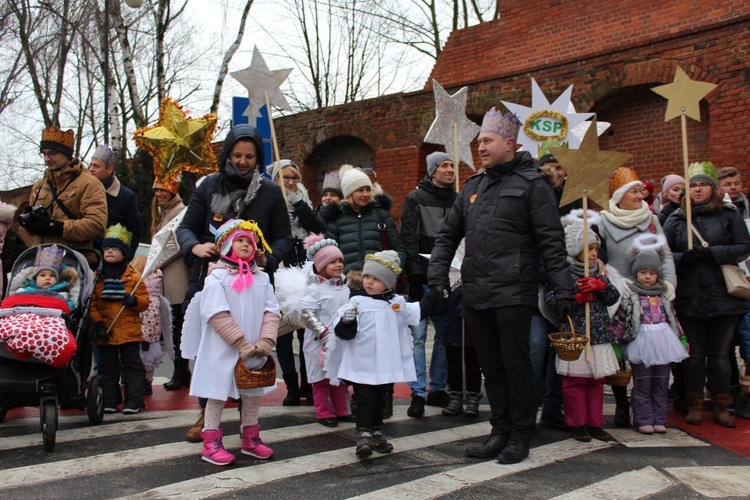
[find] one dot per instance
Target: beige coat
(176, 274)
(83, 194)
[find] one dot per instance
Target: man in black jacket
(509, 218)
(122, 204)
(421, 218)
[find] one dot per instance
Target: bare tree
(224, 69)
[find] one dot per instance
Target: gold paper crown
(623, 175)
(172, 185)
(118, 232)
(702, 168)
(53, 134)
(495, 122)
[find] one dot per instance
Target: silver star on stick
(257, 78)
(450, 109)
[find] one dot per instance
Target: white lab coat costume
(382, 351)
(213, 375)
(325, 298)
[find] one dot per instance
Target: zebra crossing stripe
(715, 482)
(673, 438)
(107, 462)
(230, 481)
(456, 479)
(632, 484)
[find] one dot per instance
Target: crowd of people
(652, 296)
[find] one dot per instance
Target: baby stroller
(33, 382)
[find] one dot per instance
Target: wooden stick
(456, 162)
(275, 144)
(688, 203)
(119, 313)
(587, 306)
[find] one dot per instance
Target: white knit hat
(352, 180)
(573, 224)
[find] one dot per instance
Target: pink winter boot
(252, 444)
(213, 449)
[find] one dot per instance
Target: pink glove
(246, 349)
(262, 348)
(322, 356)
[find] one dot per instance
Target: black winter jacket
(357, 233)
(509, 218)
(421, 217)
(123, 209)
(701, 291)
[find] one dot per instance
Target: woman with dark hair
(707, 313)
(238, 191)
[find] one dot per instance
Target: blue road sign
(262, 123)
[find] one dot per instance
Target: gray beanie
(434, 160)
(384, 266)
(647, 259)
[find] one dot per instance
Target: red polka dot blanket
(46, 338)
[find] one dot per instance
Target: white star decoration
(450, 109)
(257, 78)
(544, 113)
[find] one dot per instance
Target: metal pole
(106, 71)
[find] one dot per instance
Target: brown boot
(695, 408)
(721, 415)
(194, 433)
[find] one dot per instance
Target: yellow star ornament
(178, 143)
(684, 95)
(588, 169)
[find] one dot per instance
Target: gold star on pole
(178, 143)
(684, 95)
(588, 169)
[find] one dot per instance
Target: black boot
(182, 376)
(172, 380)
(388, 408)
(472, 404)
(622, 410)
(292, 390)
(455, 405)
(305, 389)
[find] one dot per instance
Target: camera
(25, 218)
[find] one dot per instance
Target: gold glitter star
(178, 143)
(684, 95)
(588, 168)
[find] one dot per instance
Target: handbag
(265, 376)
(734, 277)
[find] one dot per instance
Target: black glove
(703, 254)
(100, 332)
(429, 308)
(130, 301)
(565, 308)
(439, 296)
(688, 257)
(42, 225)
(145, 346)
(416, 287)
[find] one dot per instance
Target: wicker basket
(568, 346)
(265, 376)
(745, 379)
(620, 378)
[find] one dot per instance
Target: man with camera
(65, 206)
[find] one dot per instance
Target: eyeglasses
(291, 179)
(702, 185)
(48, 154)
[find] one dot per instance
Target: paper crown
(622, 177)
(231, 226)
(543, 148)
(118, 232)
(495, 122)
(173, 186)
(106, 154)
(54, 138)
(332, 181)
(48, 258)
(702, 168)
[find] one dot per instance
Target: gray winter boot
(472, 404)
(364, 439)
(455, 405)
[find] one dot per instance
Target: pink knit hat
(322, 251)
(669, 181)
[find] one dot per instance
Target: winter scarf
(114, 288)
(626, 218)
(579, 269)
(235, 191)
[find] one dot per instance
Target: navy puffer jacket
(701, 291)
(357, 233)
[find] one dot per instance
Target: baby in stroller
(33, 321)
